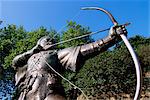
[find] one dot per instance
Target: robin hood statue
(34, 78)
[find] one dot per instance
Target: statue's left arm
(105, 43)
(22, 59)
(69, 57)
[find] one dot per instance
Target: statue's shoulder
(68, 57)
(65, 51)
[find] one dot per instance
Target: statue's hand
(44, 42)
(117, 30)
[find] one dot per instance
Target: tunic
(39, 82)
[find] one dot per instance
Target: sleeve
(98, 46)
(20, 74)
(68, 57)
(19, 61)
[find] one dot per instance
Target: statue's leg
(33, 94)
(22, 95)
(55, 88)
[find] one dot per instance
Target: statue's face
(45, 42)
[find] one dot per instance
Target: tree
(8, 37)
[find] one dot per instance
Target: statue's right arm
(21, 60)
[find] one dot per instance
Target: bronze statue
(35, 79)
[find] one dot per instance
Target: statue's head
(46, 42)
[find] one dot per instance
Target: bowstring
(76, 87)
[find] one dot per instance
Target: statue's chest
(43, 61)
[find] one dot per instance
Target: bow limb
(103, 10)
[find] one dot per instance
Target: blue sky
(54, 13)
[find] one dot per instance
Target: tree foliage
(110, 72)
